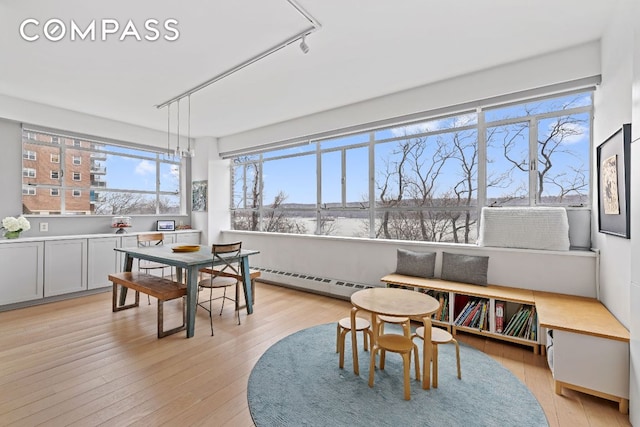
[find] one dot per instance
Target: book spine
(512, 322)
(462, 313)
(499, 316)
(471, 314)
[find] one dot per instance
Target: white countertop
(86, 236)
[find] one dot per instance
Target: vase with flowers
(14, 226)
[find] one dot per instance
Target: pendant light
(168, 153)
(190, 151)
(177, 153)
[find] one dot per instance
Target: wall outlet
(44, 226)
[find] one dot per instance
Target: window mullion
(533, 162)
(372, 186)
(482, 164)
(318, 189)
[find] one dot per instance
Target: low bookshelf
(590, 346)
(499, 312)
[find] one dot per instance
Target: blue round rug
(297, 382)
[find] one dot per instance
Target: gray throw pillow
(465, 268)
(419, 264)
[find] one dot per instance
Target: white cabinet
(22, 270)
(65, 266)
(36, 269)
(102, 260)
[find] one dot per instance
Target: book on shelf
(483, 320)
(467, 319)
(514, 321)
(478, 318)
(520, 322)
(499, 316)
(463, 312)
(470, 316)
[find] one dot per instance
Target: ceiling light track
(315, 26)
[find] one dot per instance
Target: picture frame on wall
(613, 160)
(165, 225)
(199, 196)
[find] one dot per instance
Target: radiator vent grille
(323, 285)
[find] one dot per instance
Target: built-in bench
(590, 346)
(158, 287)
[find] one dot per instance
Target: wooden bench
(158, 287)
(253, 274)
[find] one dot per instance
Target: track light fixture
(304, 47)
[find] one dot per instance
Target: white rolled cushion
(525, 227)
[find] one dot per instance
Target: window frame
(68, 149)
(479, 125)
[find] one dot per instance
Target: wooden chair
(151, 239)
(222, 274)
(344, 326)
(438, 336)
(397, 344)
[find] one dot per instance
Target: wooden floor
(77, 363)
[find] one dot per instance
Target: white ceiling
(365, 49)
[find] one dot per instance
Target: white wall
(33, 113)
(612, 108)
(199, 172)
(14, 112)
(366, 261)
(566, 65)
(634, 322)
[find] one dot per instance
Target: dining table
(398, 303)
(191, 262)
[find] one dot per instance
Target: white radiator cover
(320, 285)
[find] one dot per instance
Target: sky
(297, 176)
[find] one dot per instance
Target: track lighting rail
(315, 26)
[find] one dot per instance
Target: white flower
(16, 224)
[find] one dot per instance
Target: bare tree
(409, 180)
(121, 204)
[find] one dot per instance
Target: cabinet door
(190, 238)
(22, 267)
(65, 266)
(102, 260)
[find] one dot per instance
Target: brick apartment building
(60, 172)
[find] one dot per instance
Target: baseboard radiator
(320, 285)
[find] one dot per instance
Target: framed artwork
(165, 225)
(199, 196)
(614, 178)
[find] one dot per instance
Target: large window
(94, 177)
(426, 180)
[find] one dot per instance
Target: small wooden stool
(397, 344)
(405, 322)
(344, 326)
(439, 336)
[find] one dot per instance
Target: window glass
(332, 179)
(99, 178)
(563, 160)
(299, 149)
(357, 177)
(539, 106)
(344, 141)
(427, 126)
(290, 181)
(508, 164)
(425, 175)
